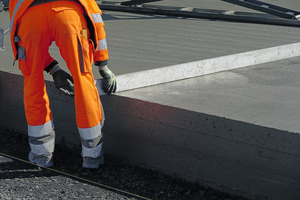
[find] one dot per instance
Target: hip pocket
(22, 61)
(85, 52)
(21, 53)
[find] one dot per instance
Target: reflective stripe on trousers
(92, 139)
(42, 138)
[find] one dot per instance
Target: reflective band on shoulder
(42, 130)
(92, 152)
(90, 133)
(14, 13)
(102, 44)
(42, 149)
(97, 18)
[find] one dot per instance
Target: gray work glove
(109, 84)
(61, 78)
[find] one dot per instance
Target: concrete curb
(203, 67)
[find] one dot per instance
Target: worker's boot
(41, 160)
(93, 163)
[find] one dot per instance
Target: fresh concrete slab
(139, 42)
(267, 94)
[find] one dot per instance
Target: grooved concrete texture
(236, 129)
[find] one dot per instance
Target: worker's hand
(61, 82)
(109, 84)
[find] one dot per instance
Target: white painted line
(203, 67)
(6, 31)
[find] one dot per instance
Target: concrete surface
(203, 67)
(234, 129)
(150, 42)
(266, 94)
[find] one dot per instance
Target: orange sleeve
(101, 53)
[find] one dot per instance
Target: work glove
(109, 83)
(61, 78)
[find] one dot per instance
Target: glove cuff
(50, 66)
(104, 67)
(101, 63)
(54, 69)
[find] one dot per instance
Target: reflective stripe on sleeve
(14, 13)
(102, 44)
(42, 130)
(97, 18)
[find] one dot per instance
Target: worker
(77, 28)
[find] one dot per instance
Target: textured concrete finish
(150, 42)
(234, 129)
(139, 42)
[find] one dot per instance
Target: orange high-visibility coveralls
(78, 30)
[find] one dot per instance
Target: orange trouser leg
(33, 57)
(71, 36)
(36, 100)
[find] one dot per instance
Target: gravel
(115, 173)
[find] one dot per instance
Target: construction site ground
(235, 128)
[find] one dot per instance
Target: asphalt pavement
(19, 180)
